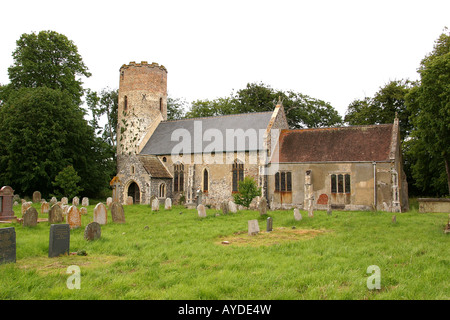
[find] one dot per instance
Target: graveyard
(178, 254)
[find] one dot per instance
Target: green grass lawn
(168, 255)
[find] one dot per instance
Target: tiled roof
(154, 167)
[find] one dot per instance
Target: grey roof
(238, 132)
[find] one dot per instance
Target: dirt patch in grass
(277, 236)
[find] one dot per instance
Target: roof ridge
(343, 127)
(219, 116)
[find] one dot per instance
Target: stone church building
(350, 168)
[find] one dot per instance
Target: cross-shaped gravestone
(115, 184)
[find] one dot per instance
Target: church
(347, 168)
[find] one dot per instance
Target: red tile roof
(354, 143)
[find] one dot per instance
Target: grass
(168, 255)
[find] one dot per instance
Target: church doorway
(134, 192)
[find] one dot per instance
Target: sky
(336, 51)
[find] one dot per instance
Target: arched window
(125, 104)
(178, 177)
(238, 174)
(162, 190)
(205, 180)
(160, 105)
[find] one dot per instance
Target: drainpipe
(374, 184)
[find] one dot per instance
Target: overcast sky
(335, 51)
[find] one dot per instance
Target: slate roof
(154, 167)
(354, 143)
(160, 142)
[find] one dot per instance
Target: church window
(283, 181)
(340, 183)
(132, 169)
(178, 177)
(162, 190)
(160, 105)
(205, 180)
(125, 103)
(238, 174)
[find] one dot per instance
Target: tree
(66, 183)
(176, 107)
(429, 104)
(247, 191)
(48, 59)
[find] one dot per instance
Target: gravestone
(30, 217)
(55, 215)
(85, 202)
(7, 245)
(73, 217)
(117, 213)
(36, 197)
(199, 197)
(201, 210)
(25, 206)
(129, 200)
(394, 219)
(93, 231)
(115, 184)
(297, 215)
(59, 242)
(76, 201)
(253, 227)
(232, 206)
(83, 211)
(329, 210)
(269, 224)
(224, 207)
(311, 211)
(109, 201)
(64, 200)
(45, 207)
(53, 201)
(65, 209)
(155, 204)
(262, 206)
(100, 213)
(168, 204)
(6, 204)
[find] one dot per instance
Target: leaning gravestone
(74, 217)
(201, 210)
(36, 197)
(76, 201)
(262, 206)
(253, 227)
(155, 204)
(232, 206)
(168, 204)
(93, 231)
(55, 215)
(100, 213)
(224, 207)
(85, 202)
(7, 245)
(59, 242)
(117, 213)
(297, 215)
(30, 217)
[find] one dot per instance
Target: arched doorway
(133, 191)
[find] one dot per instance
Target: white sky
(336, 51)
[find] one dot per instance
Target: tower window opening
(125, 103)
(160, 104)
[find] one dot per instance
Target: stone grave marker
(55, 215)
(109, 201)
(53, 201)
(297, 215)
(93, 231)
(7, 245)
(155, 204)
(263, 206)
(30, 217)
(168, 204)
(76, 201)
(269, 224)
(100, 213)
(64, 200)
(253, 227)
(85, 202)
(6, 204)
(83, 210)
(45, 207)
(74, 217)
(36, 197)
(59, 242)
(329, 210)
(232, 206)
(117, 213)
(129, 201)
(311, 211)
(394, 219)
(25, 206)
(201, 210)
(224, 207)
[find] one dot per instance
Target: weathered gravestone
(30, 217)
(55, 215)
(117, 213)
(7, 245)
(109, 202)
(36, 197)
(269, 224)
(64, 200)
(25, 206)
(129, 201)
(201, 210)
(45, 207)
(100, 213)
(83, 211)
(76, 201)
(224, 207)
(93, 231)
(53, 201)
(168, 204)
(6, 204)
(297, 215)
(232, 206)
(329, 210)
(253, 227)
(155, 204)
(311, 211)
(73, 217)
(85, 202)
(263, 206)
(59, 242)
